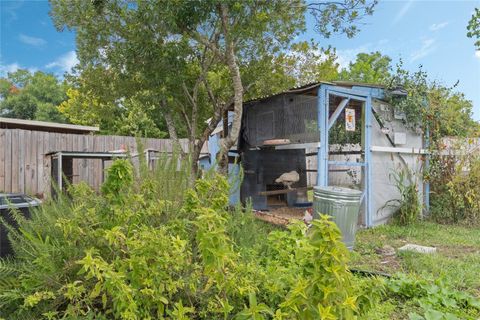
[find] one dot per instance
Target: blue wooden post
(355, 93)
(322, 155)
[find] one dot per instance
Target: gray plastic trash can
(343, 204)
(9, 201)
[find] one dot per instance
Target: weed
(408, 207)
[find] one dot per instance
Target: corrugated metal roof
(314, 85)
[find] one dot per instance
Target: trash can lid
(337, 191)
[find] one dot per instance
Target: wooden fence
(25, 168)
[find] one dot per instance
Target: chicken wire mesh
(288, 117)
(276, 142)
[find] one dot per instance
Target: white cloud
(438, 26)
(64, 63)
(477, 54)
(6, 68)
(33, 41)
(12, 67)
(402, 12)
(428, 46)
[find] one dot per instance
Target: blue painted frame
(365, 94)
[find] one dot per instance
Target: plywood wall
(25, 168)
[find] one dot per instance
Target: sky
(427, 33)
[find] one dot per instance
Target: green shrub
(434, 299)
(119, 178)
(456, 189)
(150, 247)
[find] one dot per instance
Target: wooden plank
(21, 160)
(8, 161)
(2, 160)
(33, 164)
(90, 167)
(72, 139)
(84, 163)
(99, 145)
(15, 164)
(283, 191)
(110, 144)
(30, 147)
(40, 167)
(398, 150)
(48, 146)
(64, 141)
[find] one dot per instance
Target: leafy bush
(152, 248)
(405, 296)
(455, 184)
(434, 299)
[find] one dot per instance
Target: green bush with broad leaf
(151, 246)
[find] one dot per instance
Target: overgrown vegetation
(445, 118)
(149, 247)
(408, 207)
(444, 285)
(456, 191)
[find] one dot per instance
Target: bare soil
(281, 216)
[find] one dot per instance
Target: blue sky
(428, 33)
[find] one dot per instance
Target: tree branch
(172, 131)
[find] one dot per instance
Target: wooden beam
(283, 191)
(298, 146)
(337, 112)
(398, 150)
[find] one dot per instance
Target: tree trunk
(172, 131)
(229, 141)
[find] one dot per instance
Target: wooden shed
(25, 166)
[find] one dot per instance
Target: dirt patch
(281, 216)
(388, 264)
(270, 218)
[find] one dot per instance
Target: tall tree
(127, 117)
(432, 105)
(369, 68)
(191, 59)
(32, 96)
(305, 62)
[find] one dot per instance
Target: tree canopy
(189, 61)
(473, 28)
(33, 96)
(369, 68)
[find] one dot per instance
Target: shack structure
(29, 148)
(330, 133)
